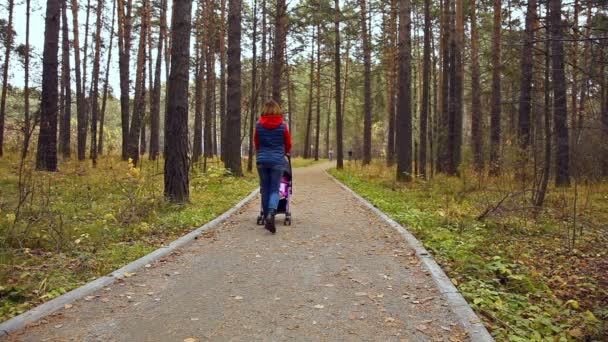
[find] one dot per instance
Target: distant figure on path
(350, 155)
(272, 143)
(330, 154)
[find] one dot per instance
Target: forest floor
(338, 273)
(518, 267)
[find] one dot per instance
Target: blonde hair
(271, 107)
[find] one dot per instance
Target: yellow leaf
(576, 332)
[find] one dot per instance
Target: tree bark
(94, 97)
(367, 87)
(222, 45)
(26, 88)
(156, 91)
(279, 49)
(139, 102)
(102, 118)
(338, 80)
(560, 113)
(46, 158)
(210, 86)
(403, 140)
(426, 75)
(310, 88)
(495, 128)
(476, 115)
(233, 124)
(176, 162)
(7, 55)
(390, 149)
(527, 72)
(254, 95)
(318, 107)
(264, 63)
(80, 101)
(443, 153)
(124, 52)
(197, 143)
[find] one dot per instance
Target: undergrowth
(517, 267)
(80, 223)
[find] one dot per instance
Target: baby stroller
(285, 191)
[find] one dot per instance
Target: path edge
(459, 306)
(19, 322)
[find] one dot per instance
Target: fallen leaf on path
(422, 327)
(319, 306)
(190, 339)
(238, 297)
(352, 316)
(58, 326)
(89, 298)
(105, 300)
(329, 285)
(380, 295)
(128, 274)
(148, 266)
(361, 294)
(68, 306)
(194, 319)
(150, 293)
(389, 320)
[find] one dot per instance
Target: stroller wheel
(287, 220)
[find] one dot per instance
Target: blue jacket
(272, 140)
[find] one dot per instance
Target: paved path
(337, 274)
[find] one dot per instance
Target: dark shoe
(270, 226)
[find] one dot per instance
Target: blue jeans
(270, 180)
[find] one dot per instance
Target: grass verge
(514, 267)
(80, 223)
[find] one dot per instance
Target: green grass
(513, 267)
(81, 223)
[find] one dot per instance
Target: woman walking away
(272, 143)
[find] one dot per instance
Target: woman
(272, 143)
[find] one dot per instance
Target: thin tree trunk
(124, 51)
(9, 46)
(264, 64)
(46, 157)
(456, 143)
(210, 86)
(222, 45)
(495, 129)
(310, 87)
(328, 123)
(345, 84)
(367, 87)
(476, 115)
(197, 144)
(443, 119)
(94, 97)
(542, 189)
(233, 124)
(527, 72)
(390, 150)
(139, 102)
(403, 140)
(279, 49)
(426, 71)
(80, 101)
(254, 95)
(560, 113)
(318, 121)
(176, 118)
(102, 118)
(338, 80)
(155, 107)
(26, 88)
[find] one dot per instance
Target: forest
(481, 126)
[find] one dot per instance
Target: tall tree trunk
(495, 129)
(139, 102)
(391, 75)
(527, 66)
(310, 87)
(328, 121)
(156, 91)
(367, 87)
(279, 49)
(318, 107)
(542, 189)
(124, 51)
(457, 84)
(102, 118)
(338, 80)
(264, 63)
(176, 118)
(403, 140)
(9, 46)
(222, 45)
(86, 49)
(80, 101)
(233, 124)
(94, 97)
(476, 115)
(560, 113)
(197, 144)
(574, 62)
(210, 86)
(443, 153)
(426, 75)
(46, 158)
(254, 95)
(26, 88)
